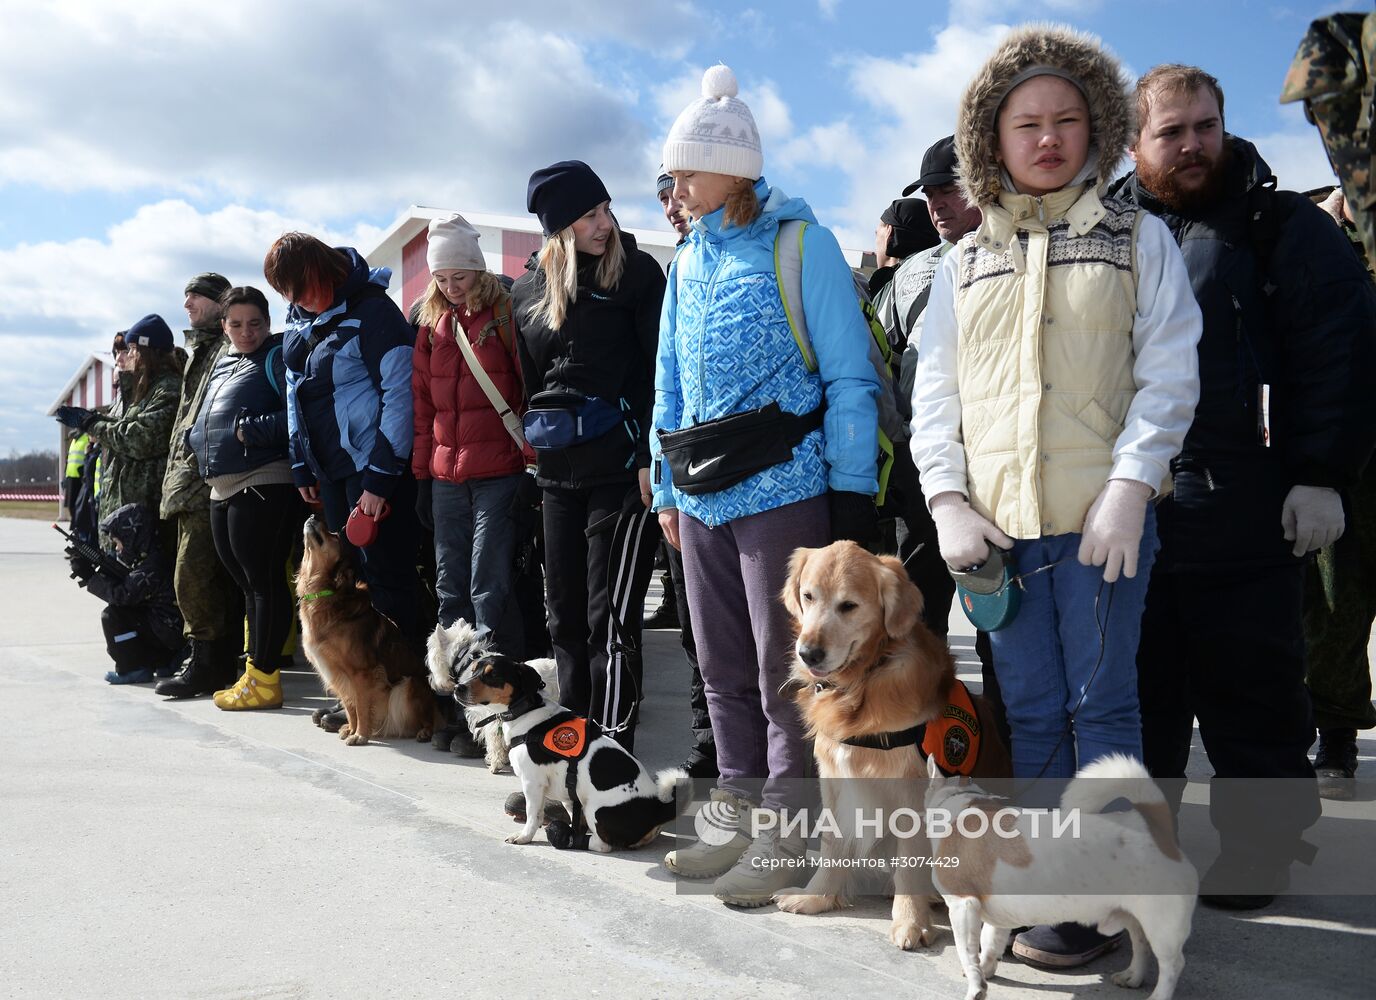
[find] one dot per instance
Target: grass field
(35, 510)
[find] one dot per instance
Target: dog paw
(976, 992)
(345, 730)
(910, 935)
(1129, 978)
(355, 740)
(517, 838)
(808, 904)
(423, 736)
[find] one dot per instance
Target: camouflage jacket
(1332, 75)
(134, 448)
(183, 487)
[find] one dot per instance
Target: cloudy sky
(142, 141)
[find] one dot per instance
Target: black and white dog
(449, 652)
(558, 755)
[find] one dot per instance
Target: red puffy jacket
(458, 433)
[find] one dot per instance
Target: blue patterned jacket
(725, 347)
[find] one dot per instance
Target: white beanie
(716, 134)
(453, 244)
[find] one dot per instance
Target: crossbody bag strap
(510, 421)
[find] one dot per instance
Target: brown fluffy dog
(359, 654)
(865, 666)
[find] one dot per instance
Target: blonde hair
(433, 302)
(559, 263)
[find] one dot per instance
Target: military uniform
(212, 606)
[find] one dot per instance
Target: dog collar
(521, 706)
(317, 594)
(890, 741)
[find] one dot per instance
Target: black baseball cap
(938, 166)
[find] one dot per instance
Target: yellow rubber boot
(253, 690)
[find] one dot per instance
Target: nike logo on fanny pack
(695, 467)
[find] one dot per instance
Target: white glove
(1312, 518)
(962, 535)
(1113, 528)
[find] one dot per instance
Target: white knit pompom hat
(716, 134)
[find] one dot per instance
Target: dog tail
(1116, 776)
(668, 783)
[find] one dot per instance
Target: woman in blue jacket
(726, 348)
(349, 417)
(240, 443)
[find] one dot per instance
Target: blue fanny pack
(559, 419)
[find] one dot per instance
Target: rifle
(102, 562)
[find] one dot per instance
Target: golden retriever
(866, 666)
(359, 653)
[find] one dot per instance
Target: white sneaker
(770, 864)
(721, 842)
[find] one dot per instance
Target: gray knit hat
(716, 133)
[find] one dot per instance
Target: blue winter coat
(725, 347)
(349, 384)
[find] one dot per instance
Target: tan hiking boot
(770, 864)
(721, 840)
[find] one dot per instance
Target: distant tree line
(36, 467)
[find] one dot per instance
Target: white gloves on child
(962, 535)
(1113, 528)
(1312, 518)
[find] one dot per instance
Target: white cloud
(322, 109)
(827, 8)
(908, 103)
(61, 300)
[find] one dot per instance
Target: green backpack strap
(788, 272)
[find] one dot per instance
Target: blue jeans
(475, 545)
(1045, 659)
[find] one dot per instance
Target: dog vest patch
(953, 736)
(562, 737)
(568, 739)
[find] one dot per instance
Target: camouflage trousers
(1339, 607)
(212, 605)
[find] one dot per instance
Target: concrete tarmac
(153, 848)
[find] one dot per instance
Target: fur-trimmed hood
(1077, 53)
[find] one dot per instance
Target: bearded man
(1286, 421)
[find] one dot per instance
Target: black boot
(202, 674)
(1335, 763)
(462, 744)
(666, 615)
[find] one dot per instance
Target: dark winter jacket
(183, 486)
(1299, 328)
(606, 348)
(247, 392)
(133, 446)
(349, 384)
(149, 583)
(459, 435)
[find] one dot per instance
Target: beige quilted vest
(1045, 304)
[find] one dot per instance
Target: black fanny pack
(710, 457)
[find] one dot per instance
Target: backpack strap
(788, 272)
(501, 315)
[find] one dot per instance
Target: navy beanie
(150, 331)
(912, 227)
(560, 193)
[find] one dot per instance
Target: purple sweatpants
(734, 575)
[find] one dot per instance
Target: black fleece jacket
(605, 348)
